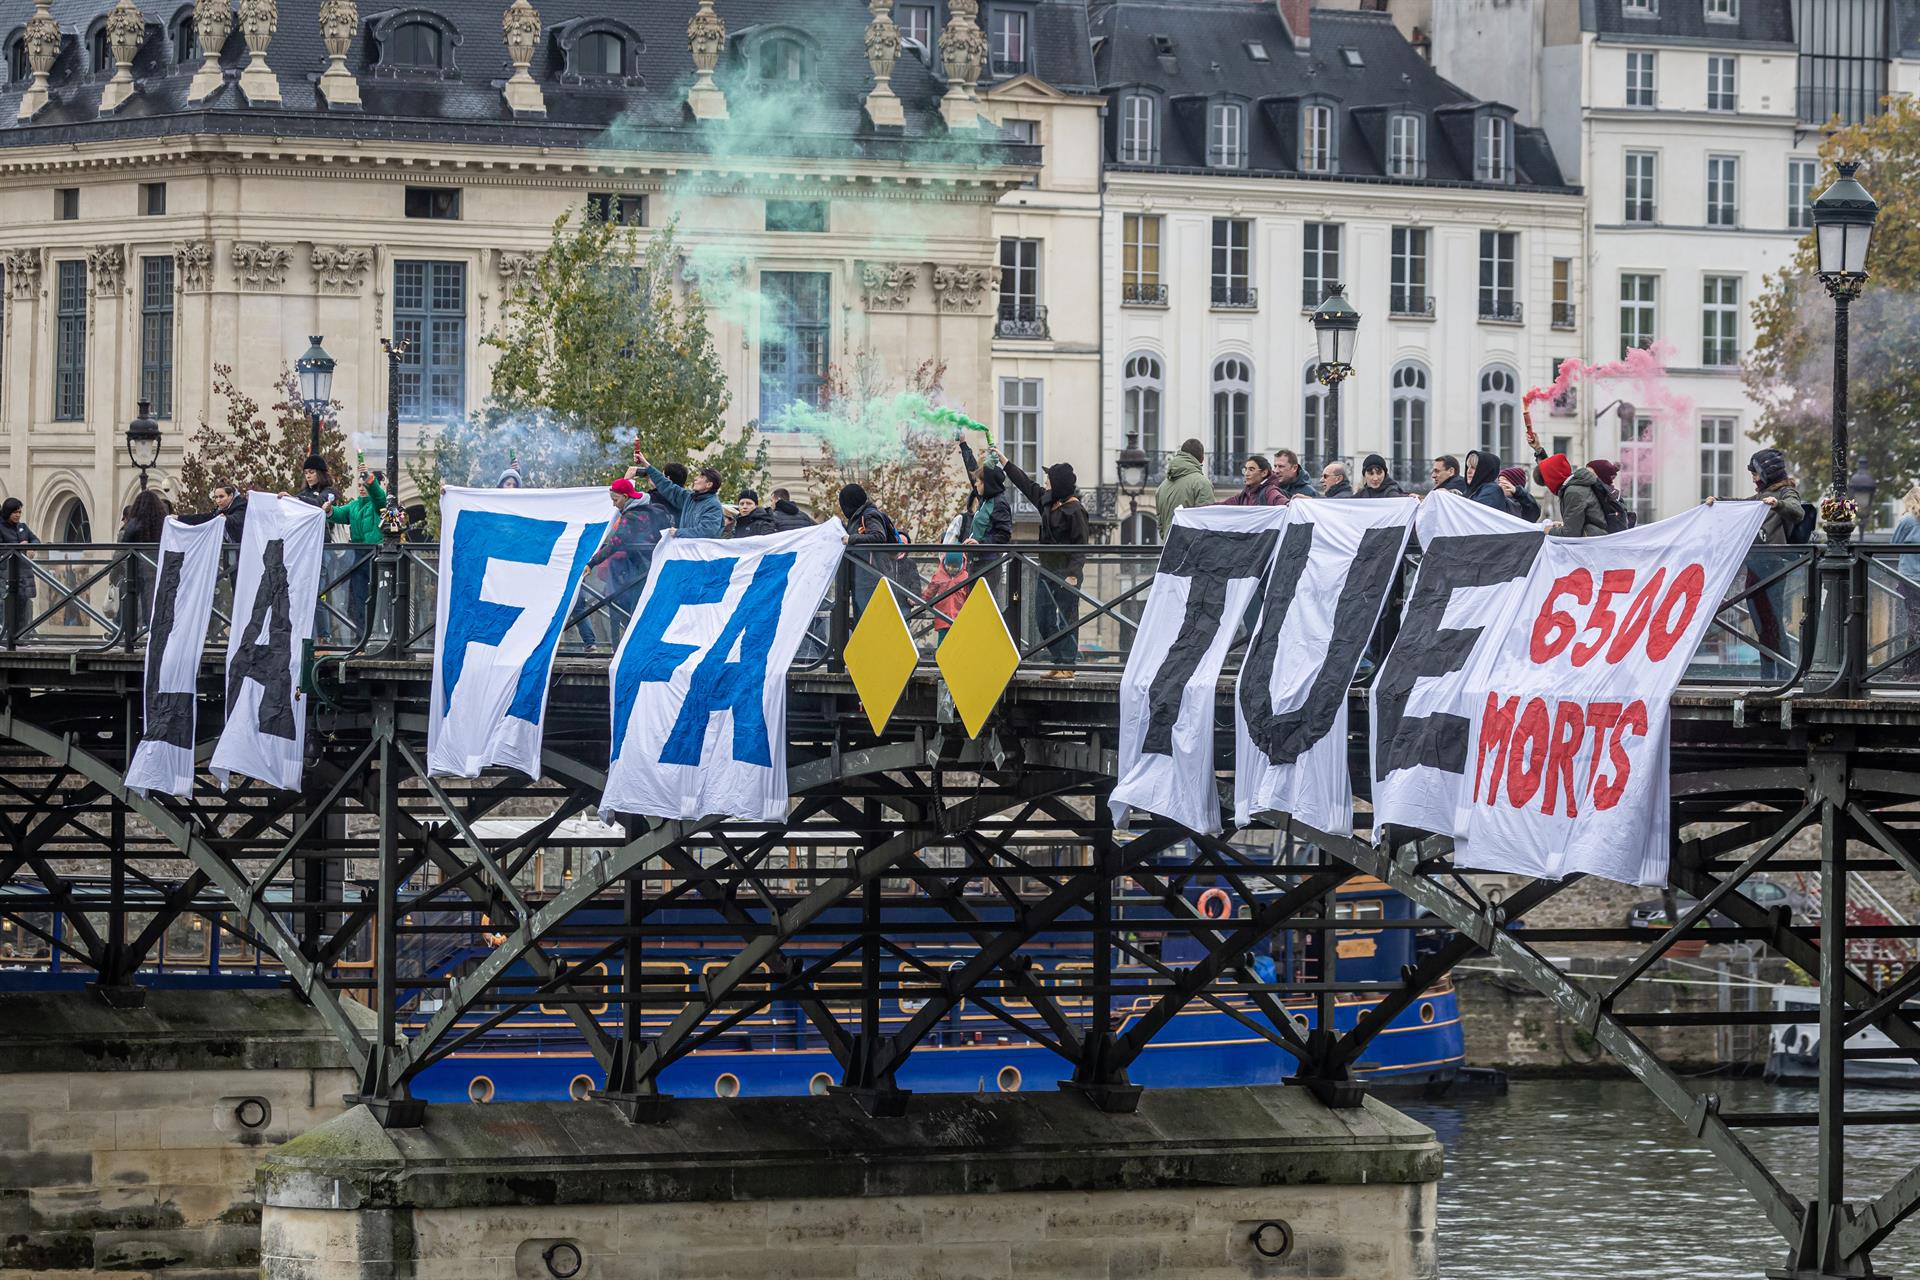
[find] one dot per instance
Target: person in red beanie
(626, 553)
(1584, 493)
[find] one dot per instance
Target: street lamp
(1131, 467)
(393, 522)
(143, 441)
(316, 387)
(1335, 323)
(1842, 227)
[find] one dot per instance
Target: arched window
(1143, 385)
(184, 38)
(783, 59)
(1410, 407)
(1499, 409)
(413, 44)
(1232, 413)
(73, 524)
(18, 68)
(601, 53)
(99, 52)
(1320, 420)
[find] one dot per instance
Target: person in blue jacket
(1483, 481)
(696, 505)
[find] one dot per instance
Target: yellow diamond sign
(880, 656)
(978, 657)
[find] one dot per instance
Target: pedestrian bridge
(1794, 750)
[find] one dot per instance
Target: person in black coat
(1513, 483)
(230, 505)
(988, 516)
(1446, 474)
(1375, 482)
(1063, 522)
(753, 519)
(14, 532)
(1483, 481)
(786, 515)
(146, 517)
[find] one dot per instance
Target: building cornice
(1150, 192)
(1255, 178)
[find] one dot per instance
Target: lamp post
(1335, 323)
(393, 521)
(1131, 467)
(1843, 217)
(143, 441)
(315, 369)
(1623, 410)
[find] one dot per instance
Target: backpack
(1618, 518)
(1809, 517)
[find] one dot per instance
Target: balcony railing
(1411, 306)
(1001, 68)
(1022, 320)
(1235, 297)
(1563, 315)
(1500, 310)
(1141, 294)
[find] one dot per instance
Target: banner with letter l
(184, 582)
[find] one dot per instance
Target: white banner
(1328, 584)
(1474, 563)
(182, 611)
(699, 683)
(1568, 702)
(265, 736)
(511, 564)
(1209, 569)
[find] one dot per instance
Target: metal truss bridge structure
(1800, 718)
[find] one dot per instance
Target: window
(1319, 261)
(1720, 321)
(1493, 159)
(1499, 409)
(1410, 403)
(1352, 56)
(1641, 205)
(1405, 156)
(430, 315)
(916, 25)
(153, 199)
(1227, 136)
(1319, 420)
(156, 334)
(1497, 300)
(99, 51)
(1723, 10)
(1408, 293)
(1024, 132)
(783, 60)
(70, 343)
(1257, 51)
(1140, 283)
(1142, 384)
(1021, 315)
(1843, 58)
(621, 210)
(796, 215)
(1640, 8)
(1639, 79)
(1723, 191)
(1232, 414)
(795, 338)
(185, 39)
(1316, 138)
(1716, 456)
(66, 203)
(1636, 467)
(1563, 314)
(1801, 175)
(1007, 41)
(1138, 142)
(412, 44)
(18, 68)
(1638, 297)
(599, 53)
(433, 202)
(1721, 93)
(1233, 262)
(1020, 401)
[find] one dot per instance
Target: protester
(510, 478)
(1375, 482)
(320, 490)
(1787, 511)
(946, 592)
(1186, 484)
(753, 519)
(1582, 495)
(1906, 532)
(14, 532)
(146, 517)
(1261, 488)
(786, 515)
(866, 523)
(988, 517)
(1063, 522)
(1334, 482)
(230, 505)
(362, 518)
(1513, 483)
(1446, 474)
(626, 553)
(1286, 473)
(1787, 520)
(696, 506)
(1483, 480)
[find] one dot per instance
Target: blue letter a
(721, 684)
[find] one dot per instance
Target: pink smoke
(1646, 367)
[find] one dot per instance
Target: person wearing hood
(786, 515)
(510, 478)
(1186, 484)
(1483, 481)
(1287, 474)
(1063, 522)
(1261, 489)
(1334, 482)
(869, 526)
(1513, 483)
(988, 517)
(753, 519)
(695, 505)
(1583, 513)
(1375, 482)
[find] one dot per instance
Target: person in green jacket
(1186, 484)
(361, 515)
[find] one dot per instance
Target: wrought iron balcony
(1501, 310)
(1563, 314)
(1002, 68)
(1411, 305)
(1022, 320)
(1235, 297)
(1142, 294)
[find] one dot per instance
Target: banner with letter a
(511, 564)
(1568, 756)
(265, 736)
(1329, 582)
(1209, 569)
(699, 682)
(1474, 563)
(182, 611)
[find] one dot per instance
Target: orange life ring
(1212, 897)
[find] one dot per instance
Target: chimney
(1295, 16)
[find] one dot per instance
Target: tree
(249, 452)
(1790, 369)
(596, 349)
(882, 439)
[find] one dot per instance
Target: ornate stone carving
(963, 53)
(23, 272)
(340, 268)
(212, 24)
(339, 22)
(260, 264)
(42, 39)
(104, 265)
(883, 53)
(717, 278)
(126, 32)
(520, 24)
(259, 19)
(518, 268)
(706, 37)
(964, 288)
(888, 286)
(193, 265)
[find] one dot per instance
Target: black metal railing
(1411, 305)
(1501, 310)
(1022, 320)
(1137, 293)
(1235, 297)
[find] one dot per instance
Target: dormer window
(1227, 135)
(1316, 138)
(595, 50)
(1493, 149)
(1406, 146)
(1723, 10)
(601, 53)
(1139, 130)
(184, 39)
(916, 25)
(18, 68)
(1257, 51)
(1007, 41)
(99, 54)
(412, 44)
(408, 42)
(783, 60)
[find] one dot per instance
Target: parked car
(1768, 894)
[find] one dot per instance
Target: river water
(1579, 1179)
